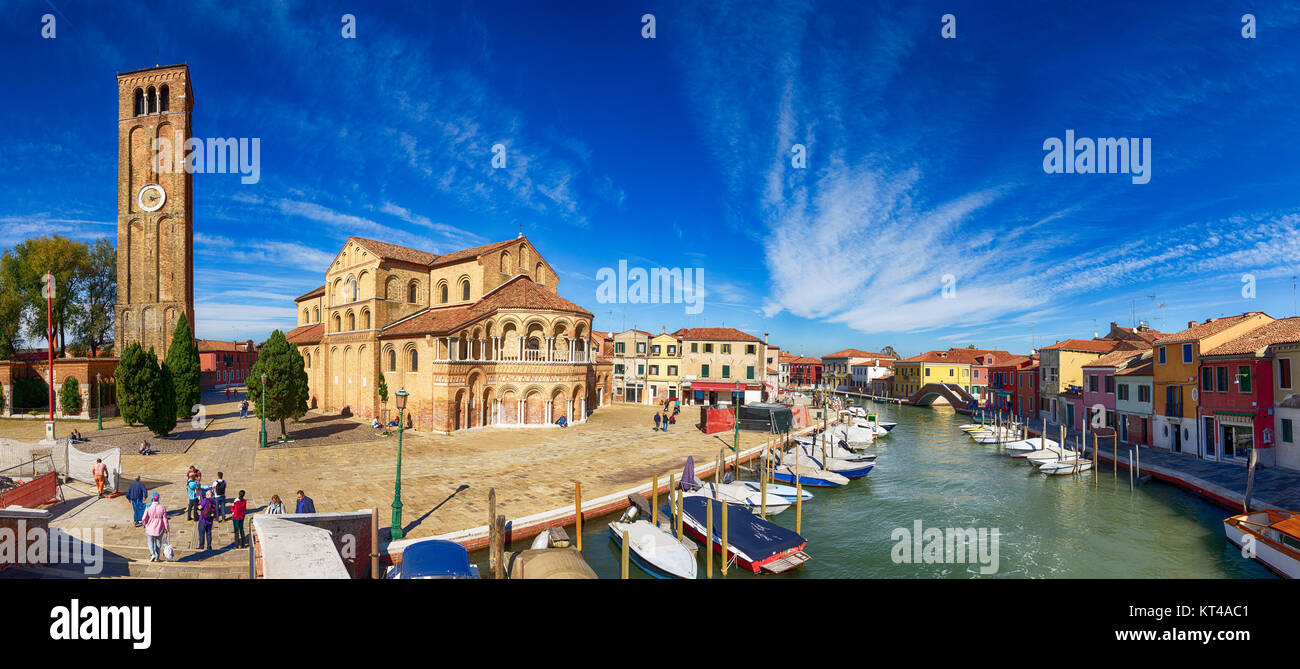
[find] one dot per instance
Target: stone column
(519, 412)
(549, 405)
(568, 410)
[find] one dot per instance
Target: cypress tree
(286, 381)
(183, 364)
(162, 420)
(134, 385)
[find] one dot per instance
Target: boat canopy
(747, 533)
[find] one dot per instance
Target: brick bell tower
(155, 224)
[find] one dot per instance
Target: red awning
(720, 387)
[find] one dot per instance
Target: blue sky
(924, 154)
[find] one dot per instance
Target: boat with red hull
(753, 543)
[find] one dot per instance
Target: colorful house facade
(1133, 400)
(1176, 373)
(1237, 394)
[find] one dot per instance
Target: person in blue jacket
(135, 495)
(305, 505)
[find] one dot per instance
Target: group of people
(207, 505)
(75, 436)
(664, 419)
(144, 449)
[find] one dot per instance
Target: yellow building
(1061, 368)
(911, 374)
(664, 371)
(721, 363)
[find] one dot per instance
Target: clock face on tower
(151, 197)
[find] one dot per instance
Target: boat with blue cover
(753, 543)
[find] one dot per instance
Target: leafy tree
(889, 350)
(383, 394)
(183, 364)
(93, 319)
(70, 396)
(66, 260)
(31, 392)
(11, 306)
(286, 381)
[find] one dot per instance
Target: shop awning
(719, 387)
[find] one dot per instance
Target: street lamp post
(395, 531)
(263, 412)
(99, 400)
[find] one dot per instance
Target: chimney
(1191, 324)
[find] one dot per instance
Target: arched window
(316, 313)
(163, 94)
(415, 361)
(443, 289)
(392, 360)
(505, 262)
(352, 321)
(412, 292)
(338, 323)
(539, 275)
(307, 357)
(464, 290)
(139, 102)
(151, 97)
(365, 319)
(306, 316)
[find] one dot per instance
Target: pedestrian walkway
(1224, 483)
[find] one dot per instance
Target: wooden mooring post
(494, 561)
(708, 538)
(625, 557)
(577, 512)
(654, 500)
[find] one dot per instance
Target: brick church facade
(478, 337)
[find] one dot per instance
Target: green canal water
(1049, 527)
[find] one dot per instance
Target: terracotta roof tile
(1090, 345)
(394, 252)
(1284, 330)
(1118, 358)
(306, 334)
(855, 353)
(716, 334)
(310, 294)
(518, 293)
(474, 251)
(1210, 327)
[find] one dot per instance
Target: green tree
(286, 381)
(11, 306)
(63, 258)
(70, 396)
(144, 391)
(92, 321)
(383, 395)
(162, 420)
(183, 364)
(134, 384)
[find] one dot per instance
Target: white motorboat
(846, 468)
(788, 492)
(1060, 467)
(815, 450)
(1027, 445)
(1271, 537)
(1050, 454)
(739, 493)
(653, 549)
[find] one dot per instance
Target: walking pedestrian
(100, 472)
(276, 506)
(207, 513)
(155, 526)
(192, 489)
(219, 487)
(135, 495)
(665, 422)
(657, 419)
(305, 505)
(237, 520)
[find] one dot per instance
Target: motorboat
(655, 550)
(1035, 444)
(739, 493)
(817, 478)
(1060, 467)
(434, 558)
(834, 451)
(845, 468)
(787, 492)
(752, 543)
(1271, 537)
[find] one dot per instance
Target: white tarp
(77, 464)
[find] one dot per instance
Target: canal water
(928, 470)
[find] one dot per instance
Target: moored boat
(753, 543)
(1271, 537)
(656, 551)
(1062, 467)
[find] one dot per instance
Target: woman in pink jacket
(155, 526)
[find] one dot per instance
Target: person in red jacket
(237, 519)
